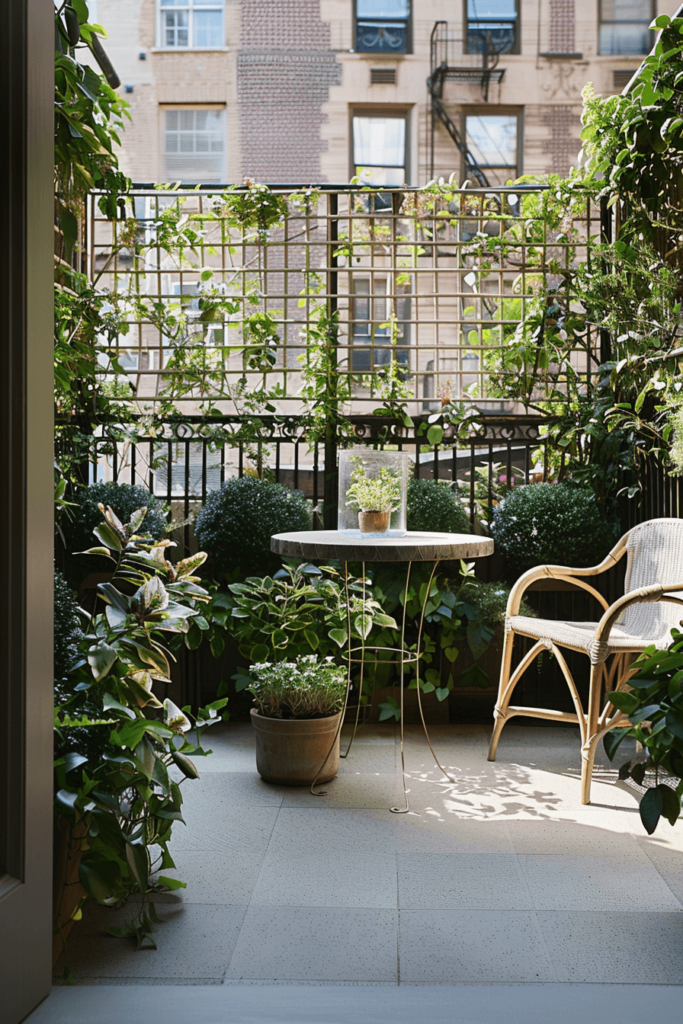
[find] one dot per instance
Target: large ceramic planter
(291, 751)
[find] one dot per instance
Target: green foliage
(85, 515)
(380, 493)
(434, 508)
(88, 118)
(457, 612)
(126, 791)
(304, 688)
(237, 521)
(551, 524)
(654, 706)
(68, 632)
(301, 611)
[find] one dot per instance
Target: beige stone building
(399, 90)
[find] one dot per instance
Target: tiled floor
(499, 877)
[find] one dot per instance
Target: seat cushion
(580, 636)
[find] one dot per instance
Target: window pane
(208, 28)
(392, 177)
(195, 150)
(625, 39)
(481, 10)
(379, 141)
(383, 8)
(174, 3)
(625, 10)
(492, 139)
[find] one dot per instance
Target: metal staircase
(450, 62)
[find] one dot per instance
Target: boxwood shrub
(237, 521)
(433, 507)
(551, 524)
(124, 499)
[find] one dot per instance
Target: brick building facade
(315, 90)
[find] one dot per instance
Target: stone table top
(350, 547)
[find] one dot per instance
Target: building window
(191, 23)
(493, 140)
(371, 307)
(492, 26)
(194, 144)
(624, 26)
(383, 26)
(379, 149)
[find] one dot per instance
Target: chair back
(654, 555)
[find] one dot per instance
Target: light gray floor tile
(230, 789)
(449, 947)
(369, 759)
(570, 837)
(615, 947)
(194, 942)
(214, 877)
(310, 830)
(668, 862)
(315, 944)
(559, 882)
(379, 791)
(481, 881)
(340, 878)
(235, 830)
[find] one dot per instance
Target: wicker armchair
(645, 615)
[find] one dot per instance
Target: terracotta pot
(291, 751)
(374, 522)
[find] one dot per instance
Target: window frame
(384, 53)
(486, 110)
(612, 21)
(517, 46)
(398, 113)
(164, 108)
(190, 6)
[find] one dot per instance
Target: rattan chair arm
(559, 572)
(644, 595)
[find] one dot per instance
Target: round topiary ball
(551, 524)
(237, 521)
(434, 508)
(124, 499)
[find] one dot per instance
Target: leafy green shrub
(551, 524)
(434, 508)
(68, 632)
(300, 611)
(654, 705)
(237, 521)
(124, 500)
(305, 688)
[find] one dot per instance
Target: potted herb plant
(297, 719)
(375, 497)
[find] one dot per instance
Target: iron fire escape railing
(449, 62)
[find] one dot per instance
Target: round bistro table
(321, 545)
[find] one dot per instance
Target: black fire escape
(474, 63)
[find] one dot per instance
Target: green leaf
(312, 639)
(474, 676)
(671, 804)
(186, 766)
(101, 658)
(674, 723)
(651, 807)
(259, 653)
(435, 434)
(138, 862)
(171, 883)
(340, 636)
(442, 692)
(626, 702)
(110, 703)
(108, 536)
(612, 741)
(217, 644)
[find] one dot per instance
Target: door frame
(26, 508)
